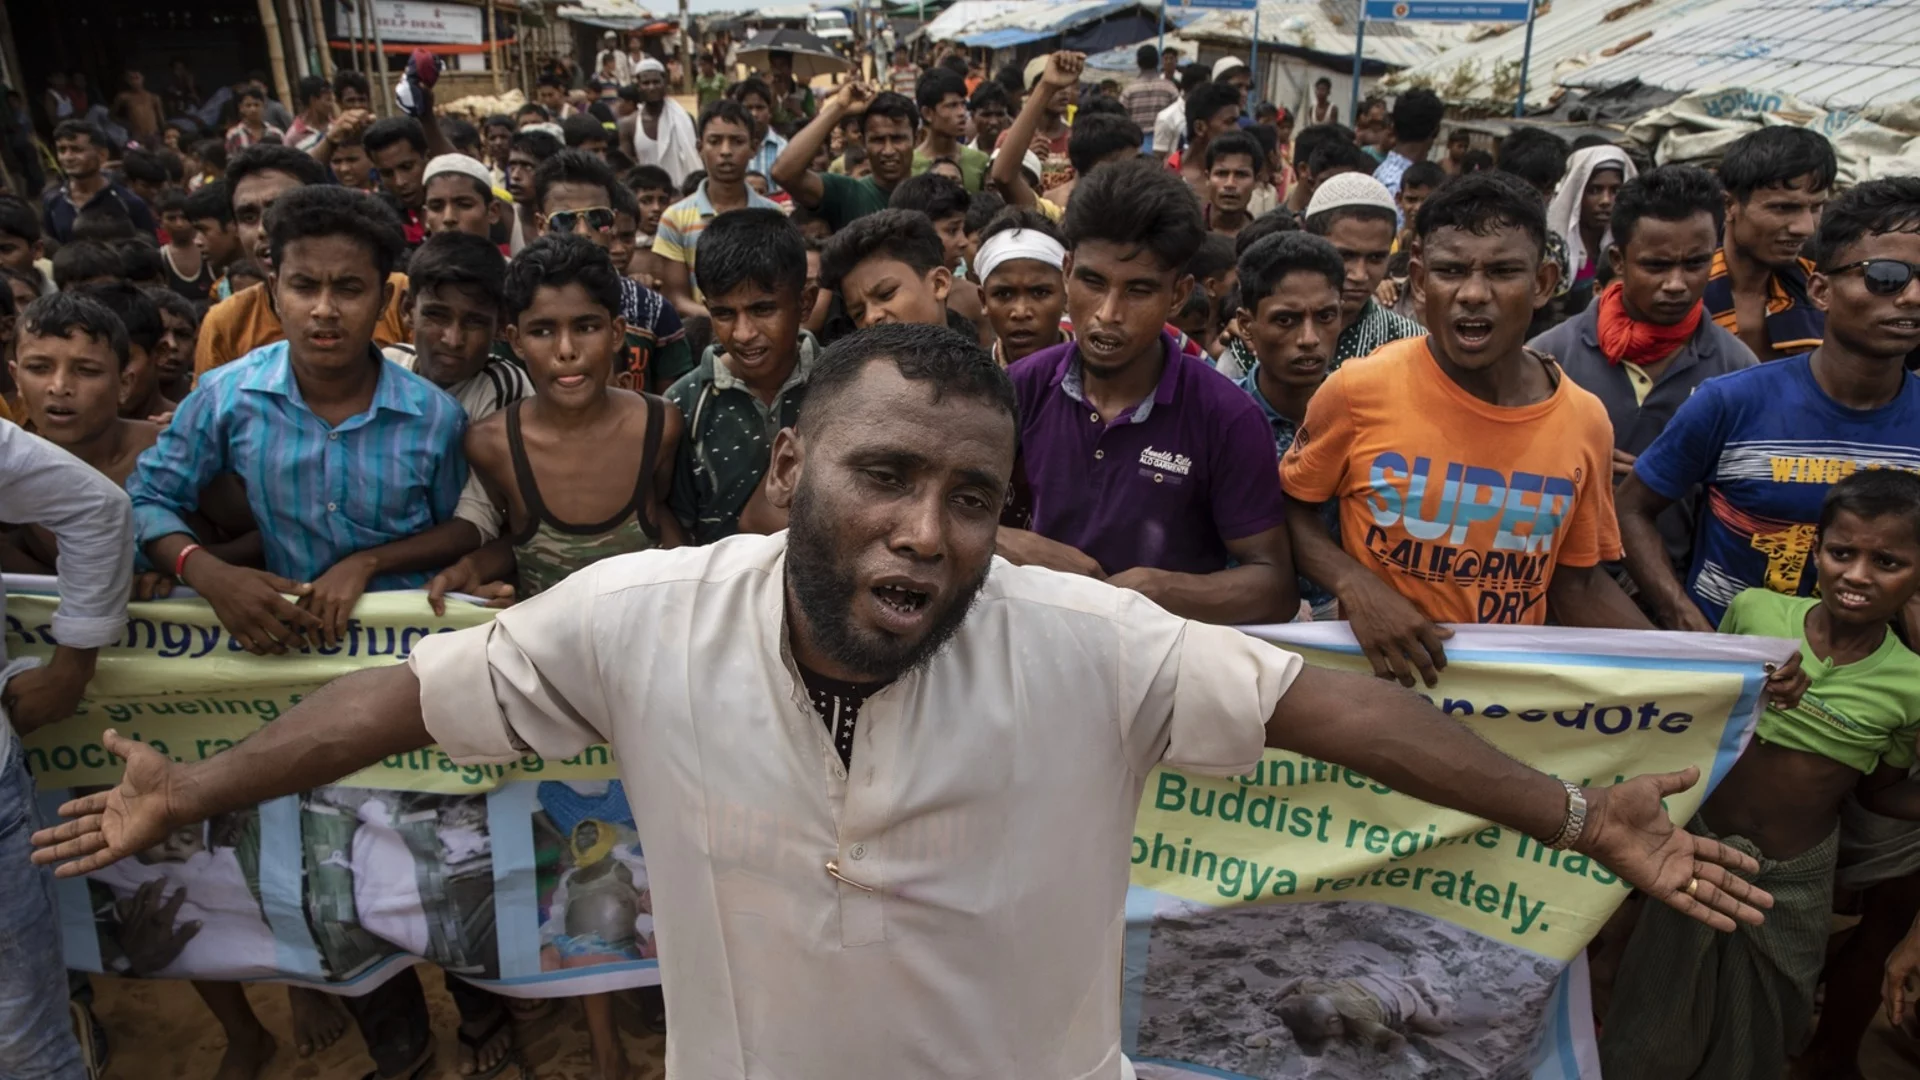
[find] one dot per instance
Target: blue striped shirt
(319, 493)
(763, 159)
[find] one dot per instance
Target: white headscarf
(1563, 213)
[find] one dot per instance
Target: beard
(823, 584)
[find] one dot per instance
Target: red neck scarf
(1622, 337)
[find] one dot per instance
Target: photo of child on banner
(594, 904)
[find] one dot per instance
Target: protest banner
(1270, 911)
(1299, 891)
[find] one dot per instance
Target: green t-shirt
(974, 164)
(726, 439)
(1861, 714)
(847, 200)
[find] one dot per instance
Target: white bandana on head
(1018, 244)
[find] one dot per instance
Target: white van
(831, 27)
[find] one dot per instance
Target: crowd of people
(1373, 373)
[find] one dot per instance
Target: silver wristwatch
(1576, 822)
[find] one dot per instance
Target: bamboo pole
(276, 53)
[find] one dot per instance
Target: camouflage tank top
(548, 549)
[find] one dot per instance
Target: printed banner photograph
(1306, 921)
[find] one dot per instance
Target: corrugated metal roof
(963, 16)
(1839, 54)
(1568, 35)
(988, 25)
(1327, 26)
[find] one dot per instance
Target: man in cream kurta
(989, 809)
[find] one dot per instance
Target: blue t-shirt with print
(1766, 443)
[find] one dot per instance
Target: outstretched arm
(1062, 70)
(1402, 741)
(346, 725)
(793, 169)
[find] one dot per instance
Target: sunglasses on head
(1884, 277)
(598, 219)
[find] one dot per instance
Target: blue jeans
(36, 1034)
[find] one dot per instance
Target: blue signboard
(1221, 5)
(1476, 11)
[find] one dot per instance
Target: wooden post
(383, 85)
(318, 23)
(276, 53)
(491, 37)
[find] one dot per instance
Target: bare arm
(347, 725)
(676, 284)
(1262, 589)
(335, 592)
(1588, 596)
(1022, 547)
(1395, 737)
(1396, 637)
(793, 169)
(1062, 70)
(1638, 506)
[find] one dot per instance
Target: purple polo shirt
(1166, 484)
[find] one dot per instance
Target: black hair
(273, 157)
(930, 193)
(1273, 222)
(956, 64)
(1313, 136)
(249, 92)
(1669, 193)
(210, 200)
(460, 134)
(756, 245)
(1137, 204)
(1459, 135)
(751, 86)
(558, 261)
(1426, 174)
(19, 219)
(1586, 142)
(170, 302)
(1214, 257)
(212, 154)
(1483, 202)
(1099, 135)
(905, 235)
(1103, 105)
(138, 315)
(853, 155)
(144, 166)
(140, 260)
(171, 201)
(74, 129)
(692, 183)
(345, 79)
(60, 314)
(1474, 161)
(982, 208)
(1417, 115)
(1199, 303)
(952, 362)
(246, 268)
(550, 79)
(498, 120)
(536, 109)
(329, 210)
(384, 133)
(84, 260)
(725, 109)
(1236, 142)
(571, 167)
(310, 87)
(541, 144)
(649, 178)
(1020, 217)
(1208, 98)
(936, 85)
(1776, 156)
(1146, 57)
(458, 260)
(1872, 493)
(988, 93)
(893, 106)
(1192, 77)
(579, 128)
(1333, 154)
(1323, 81)
(623, 201)
(1535, 155)
(107, 222)
(1875, 207)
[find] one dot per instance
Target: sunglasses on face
(598, 219)
(1884, 277)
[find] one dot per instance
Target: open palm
(107, 826)
(1632, 835)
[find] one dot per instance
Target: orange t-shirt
(1465, 508)
(246, 320)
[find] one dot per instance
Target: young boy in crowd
(725, 132)
(1023, 286)
(140, 397)
(888, 125)
(1777, 180)
(400, 148)
(1358, 216)
(21, 247)
(526, 152)
(891, 267)
(85, 262)
(1172, 491)
(653, 191)
(210, 211)
(1740, 1004)
(70, 364)
(1233, 168)
(945, 203)
(750, 381)
(1765, 442)
(1289, 318)
(188, 272)
(180, 323)
(1468, 401)
(579, 450)
(459, 198)
(573, 193)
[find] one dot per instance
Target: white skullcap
(547, 128)
(1350, 189)
(459, 163)
(1226, 64)
(1029, 161)
(1017, 244)
(650, 64)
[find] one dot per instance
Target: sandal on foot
(473, 1044)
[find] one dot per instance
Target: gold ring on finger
(1693, 886)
